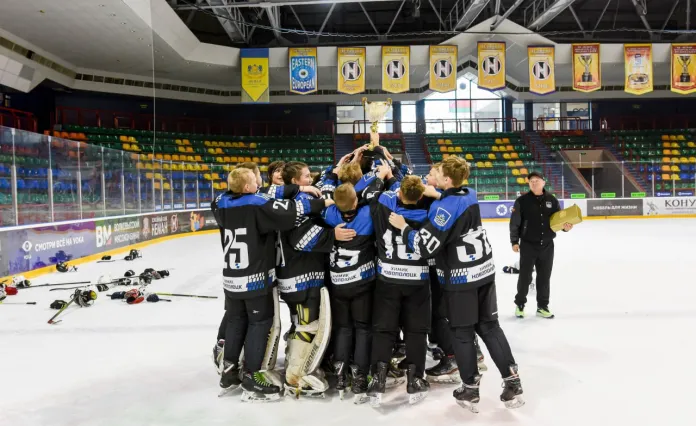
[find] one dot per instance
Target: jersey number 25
(236, 252)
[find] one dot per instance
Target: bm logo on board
(103, 235)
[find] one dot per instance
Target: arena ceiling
(271, 23)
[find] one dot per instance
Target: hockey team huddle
(362, 254)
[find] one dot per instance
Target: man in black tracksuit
(532, 237)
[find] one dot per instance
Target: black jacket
(531, 219)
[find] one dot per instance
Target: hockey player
(275, 172)
(301, 273)
(402, 290)
(248, 222)
(454, 236)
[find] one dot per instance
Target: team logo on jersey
(541, 70)
(351, 70)
(492, 65)
(548, 204)
(442, 68)
(442, 216)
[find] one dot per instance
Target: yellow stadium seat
(204, 167)
(134, 157)
(123, 138)
(189, 158)
(511, 164)
(665, 159)
(469, 157)
(132, 139)
(256, 160)
(515, 172)
(235, 144)
(690, 144)
(149, 175)
(150, 157)
(672, 137)
(178, 142)
(233, 160)
(167, 186)
(450, 149)
(675, 160)
(219, 160)
(198, 158)
(126, 146)
(692, 159)
(440, 142)
(665, 168)
(480, 164)
(675, 177)
(498, 141)
(506, 156)
(264, 160)
(263, 168)
(665, 176)
(158, 176)
(218, 151)
(665, 137)
(506, 140)
(139, 165)
(681, 138)
(514, 156)
(519, 163)
(466, 181)
(521, 181)
(148, 166)
(181, 149)
(215, 144)
(509, 148)
(491, 156)
(175, 157)
(683, 160)
(252, 145)
(211, 151)
(675, 168)
(157, 184)
(489, 164)
(448, 141)
(675, 144)
(186, 142)
(206, 143)
(166, 166)
(167, 157)
(189, 149)
(666, 144)
(494, 148)
(443, 148)
(458, 149)
(246, 159)
(676, 152)
(524, 171)
(226, 159)
(445, 156)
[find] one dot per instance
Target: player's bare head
(242, 181)
(345, 198)
(254, 169)
(412, 189)
(453, 171)
(432, 176)
(275, 172)
(351, 173)
(296, 172)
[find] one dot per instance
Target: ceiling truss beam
(640, 10)
(274, 3)
(542, 14)
(229, 20)
(367, 15)
(507, 13)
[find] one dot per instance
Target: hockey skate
(261, 386)
(313, 385)
(359, 385)
(468, 395)
(512, 389)
(446, 372)
(229, 378)
(396, 372)
(417, 387)
(378, 384)
(218, 354)
(342, 378)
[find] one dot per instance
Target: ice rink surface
(620, 351)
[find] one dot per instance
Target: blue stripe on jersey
(365, 182)
(362, 223)
(445, 212)
(229, 200)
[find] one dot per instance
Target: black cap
(540, 175)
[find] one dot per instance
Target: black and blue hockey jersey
(454, 236)
(248, 225)
(396, 262)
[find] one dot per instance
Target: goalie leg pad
(303, 358)
(271, 356)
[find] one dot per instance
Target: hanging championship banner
(255, 75)
(443, 68)
(395, 68)
(639, 68)
(587, 73)
(684, 68)
(351, 70)
(491, 65)
(542, 73)
(303, 69)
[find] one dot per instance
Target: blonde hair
(345, 197)
(239, 178)
(350, 173)
(250, 166)
(455, 168)
(412, 189)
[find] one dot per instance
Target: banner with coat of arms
(351, 70)
(303, 69)
(639, 68)
(255, 75)
(587, 71)
(443, 68)
(542, 73)
(491, 65)
(395, 68)
(683, 68)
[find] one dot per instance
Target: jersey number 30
(236, 252)
(475, 246)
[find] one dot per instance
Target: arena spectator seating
(571, 139)
(666, 156)
(496, 158)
